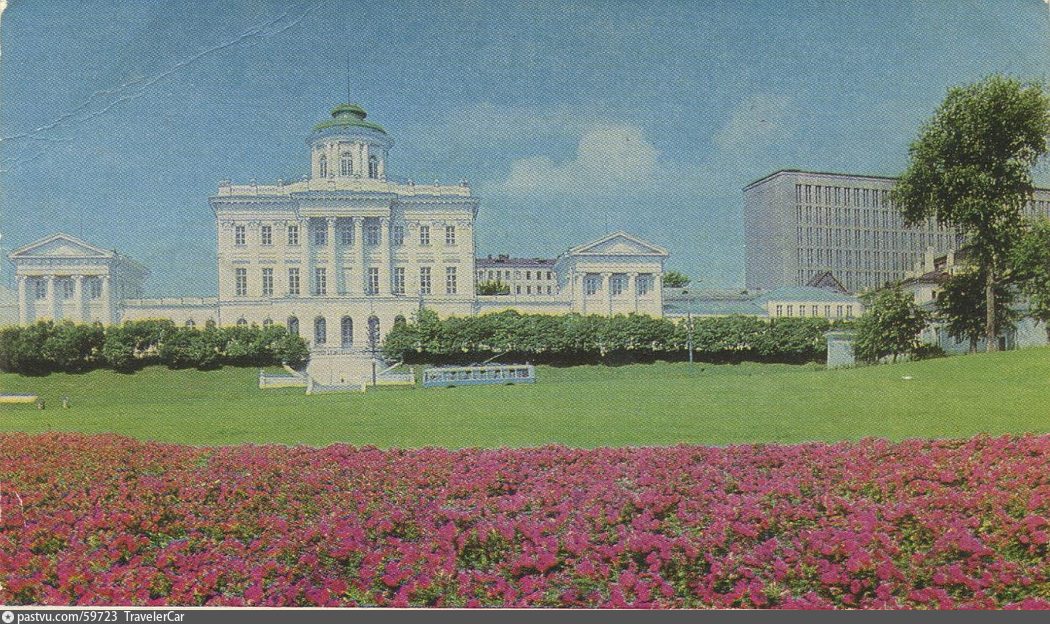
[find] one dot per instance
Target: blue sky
(568, 118)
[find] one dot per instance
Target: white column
(107, 302)
(52, 299)
(306, 270)
(658, 293)
(338, 280)
(332, 272)
(382, 165)
(23, 301)
(607, 289)
(78, 298)
(580, 280)
(359, 240)
(632, 290)
(384, 255)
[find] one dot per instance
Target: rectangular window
(528, 290)
(293, 235)
(267, 282)
(346, 235)
(40, 289)
(838, 311)
(549, 275)
(548, 290)
(424, 280)
(373, 280)
(528, 275)
(371, 233)
(590, 285)
(450, 235)
(616, 285)
(240, 282)
(238, 235)
(266, 235)
(849, 311)
(791, 310)
(397, 235)
(644, 284)
(95, 288)
(450, 280)
(780, 310)
(293, 281)
(320, 236)
(399, 281)
(320, 281)
(424, 235)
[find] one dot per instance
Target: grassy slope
(584, 406)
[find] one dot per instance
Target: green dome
(347, 115)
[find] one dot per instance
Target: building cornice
(859, 176)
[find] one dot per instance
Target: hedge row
(48, 347)
(576, 339)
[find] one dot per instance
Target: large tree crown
(970, 167)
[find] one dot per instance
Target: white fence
(278, 380)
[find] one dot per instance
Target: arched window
(399, 321)
(267, 323)
(322, 165)
(190, 324)
(293, 326)
(373, 167)
(320, 331)
(373, 332)
(242, 322)
(346, 331)
(346, 164)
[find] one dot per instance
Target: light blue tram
(485, 374)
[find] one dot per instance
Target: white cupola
(348, 146)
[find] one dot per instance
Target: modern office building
(800, 224)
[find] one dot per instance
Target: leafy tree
(891, 325)
(970, 169)
(1030, 268)
(963, 306)
(491, 287)
(118, 350)
(290, 349)
(676, 279)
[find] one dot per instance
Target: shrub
(577, 339)
(46, 347)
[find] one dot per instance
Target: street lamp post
(689, 329)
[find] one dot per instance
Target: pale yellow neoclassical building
(338, 255)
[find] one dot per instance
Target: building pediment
(60, 246)
(618, 244)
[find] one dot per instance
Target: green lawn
(583, 406)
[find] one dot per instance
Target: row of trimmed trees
(578, 339)
(47, 347)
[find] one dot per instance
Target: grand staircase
(338, 370)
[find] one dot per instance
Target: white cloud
(609, 158)
(618, 159)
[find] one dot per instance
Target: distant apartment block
(799, 225)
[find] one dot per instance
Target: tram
(486, 374)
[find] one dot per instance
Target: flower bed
(109, 520)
